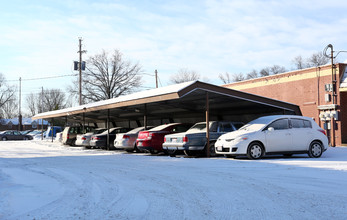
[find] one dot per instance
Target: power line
(40, 78)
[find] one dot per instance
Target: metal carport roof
(185, 101)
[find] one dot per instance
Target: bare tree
(276, 69)
(108, 76)
(317, 59)
(6, 92)
(184, 75)
(299, 63)
(10, 108)
(226, 78)
(237, 77)
(52, 99)
(33, 104)
(252, 75)
(265, 71)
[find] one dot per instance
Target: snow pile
(43, 180)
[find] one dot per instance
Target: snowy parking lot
(43, 180)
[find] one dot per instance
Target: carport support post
(145, 118)
(108, 130)
(52, 128)
(84, 121)
(207, 126)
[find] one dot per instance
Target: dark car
(100, 140)
(153, 139)
(14, 135)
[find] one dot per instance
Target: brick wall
(305, 88)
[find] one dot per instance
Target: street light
(333, 83)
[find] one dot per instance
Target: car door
(17, 135)
(10, 135)
(279, 138)
(302, 134)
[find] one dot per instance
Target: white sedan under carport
(276, 134)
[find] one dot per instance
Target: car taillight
(67, 136)
(83, 138)
(164, 139)
(185, 139)
(126, 136)
(323, 131)
(96, 138)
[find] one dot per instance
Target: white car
(276, 134)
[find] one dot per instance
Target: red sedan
(153, 139)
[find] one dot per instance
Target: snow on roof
(138, 95)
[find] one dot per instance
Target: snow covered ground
(43, 180)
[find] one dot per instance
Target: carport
(186, 102)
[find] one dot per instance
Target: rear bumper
(181, 146)
(148, 146)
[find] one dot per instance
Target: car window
(16, 133)
(226, 127)
(300, 123)
(8, 132)
(280, 124)
(180, 128)
(307, 124)
(297, 123)
(213, 127)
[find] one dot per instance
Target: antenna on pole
(81, 66)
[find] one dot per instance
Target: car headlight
(239, 139)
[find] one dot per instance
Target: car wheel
(212, 150)
(255, 151)
(315, 150)
(129, 150)
(171, 153)
(191, 153)
(4, 139)
(153, 151)
(136, 149)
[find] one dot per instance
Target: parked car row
(276, 134)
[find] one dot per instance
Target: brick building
(312, 90)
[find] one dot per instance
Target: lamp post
(333, 87)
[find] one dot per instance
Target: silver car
(194, 141)
(84, 139)
(276, 134)
(127, 141)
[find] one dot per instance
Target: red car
(153, 139)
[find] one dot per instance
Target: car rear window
(300, 123)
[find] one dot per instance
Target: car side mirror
(270, 129)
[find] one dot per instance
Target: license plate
(220, 148)
(139, 144)
(174, 140)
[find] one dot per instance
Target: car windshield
(99, 131)
(160, 127)
(199, 127)
(256, 124)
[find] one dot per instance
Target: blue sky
(40, 38)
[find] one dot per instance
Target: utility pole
(20, 103)
(80, 51)
(156, 78)
(41, 112)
